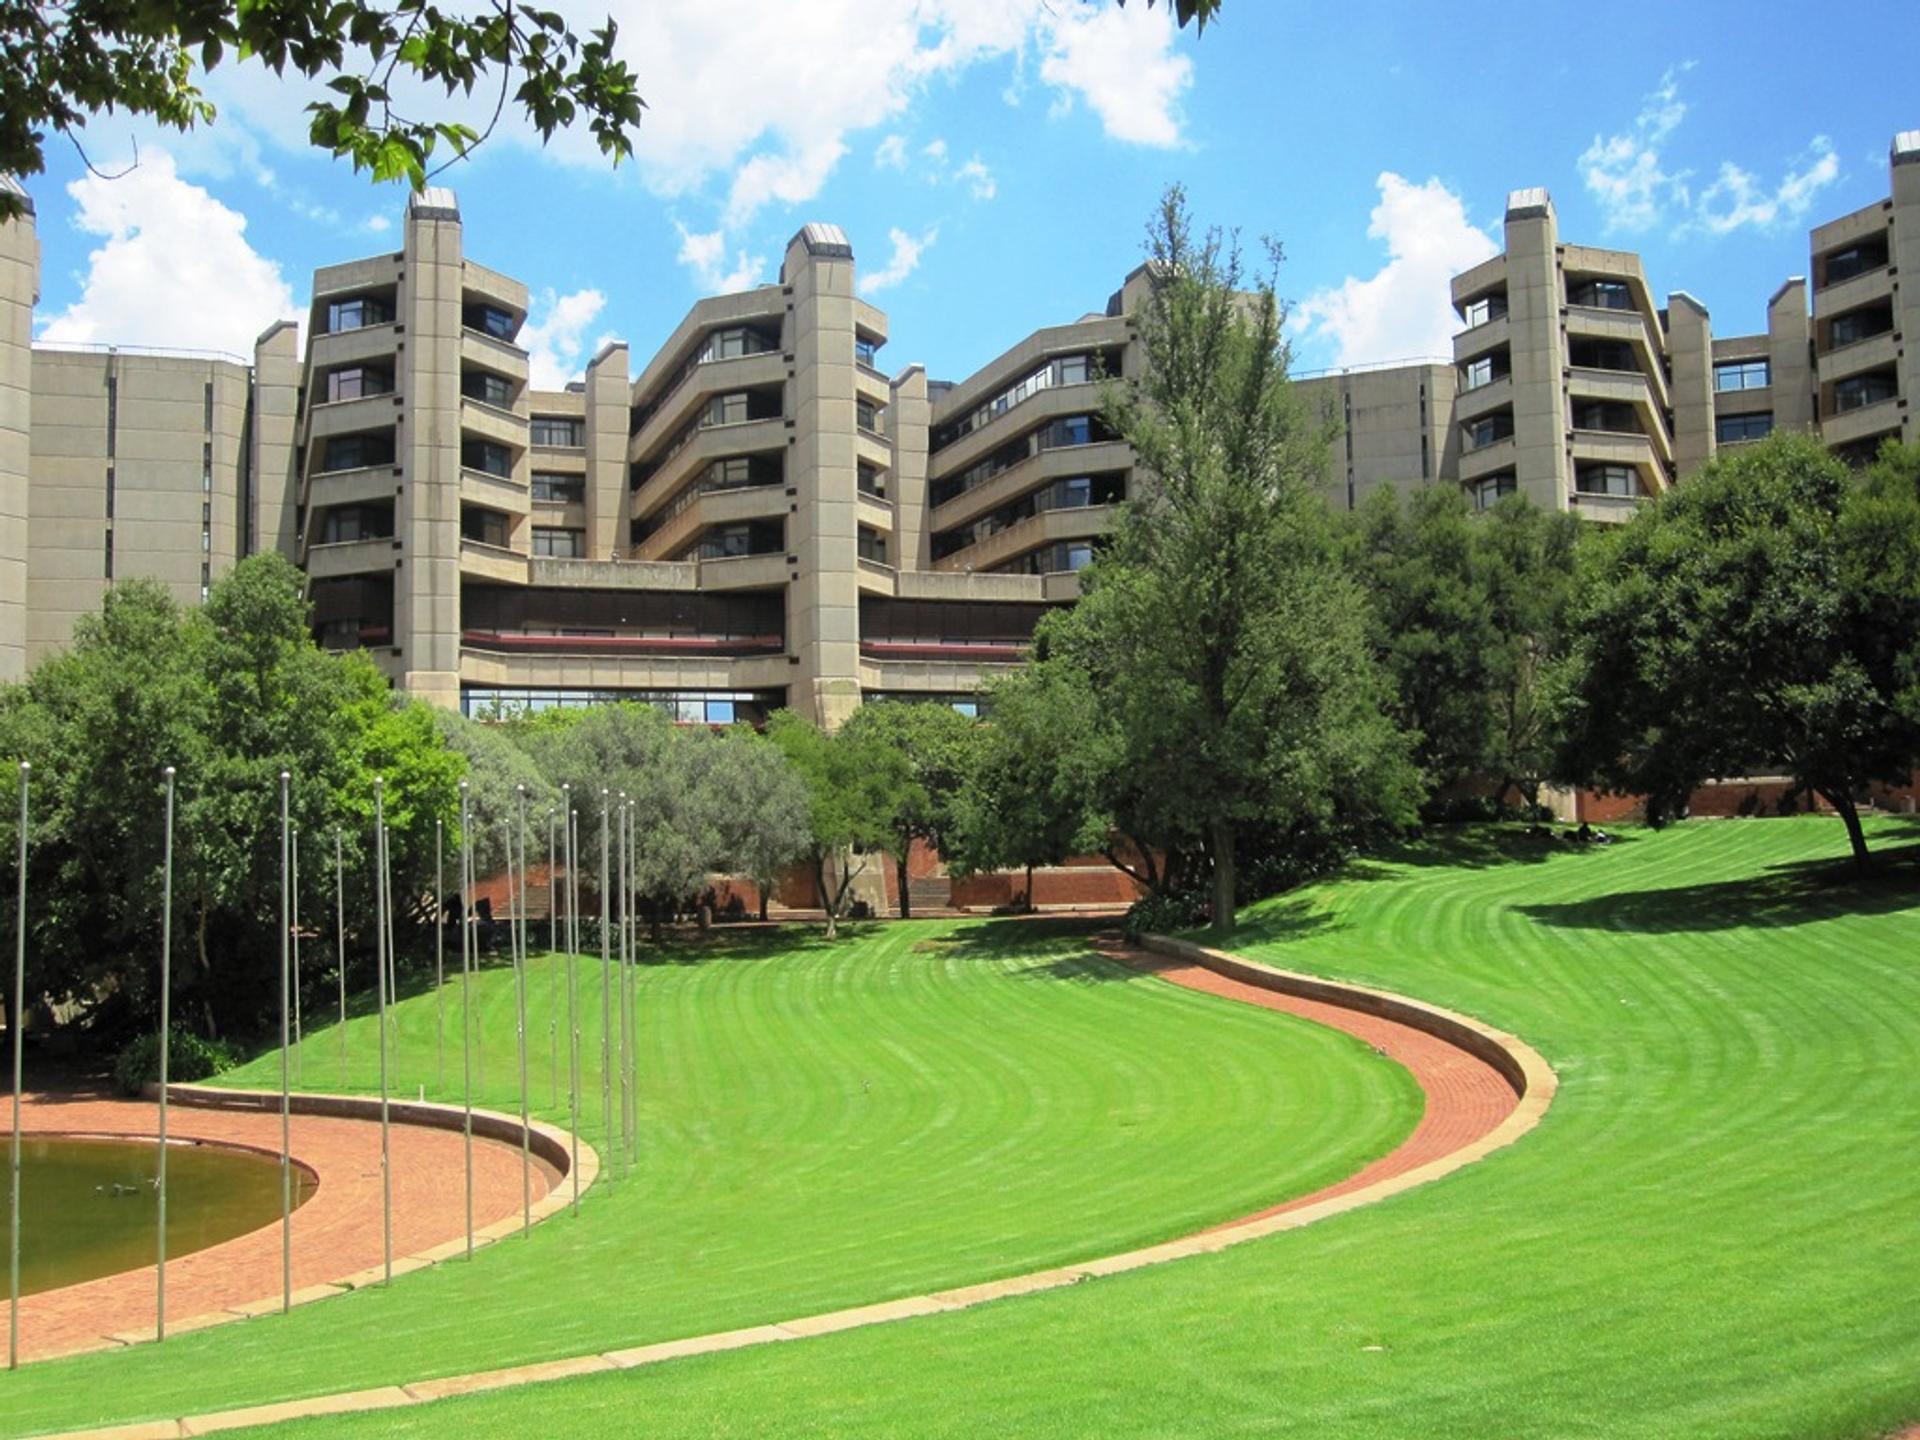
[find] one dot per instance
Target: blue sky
(995, 161)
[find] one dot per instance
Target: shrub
(190, 1057)
(1165, 914)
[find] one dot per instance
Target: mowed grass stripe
(1715, 1232)
(914, 1108)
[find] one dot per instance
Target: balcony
(480, 561)
(1496, 394)
(485, 665)
(1103, 333)
(875, 513)
(1101, 457)
(350, 557)
(706, 380)
(744, 572)
(1622, 387)
(1862, 289)
(715, 442)
(485, 352)
(934, 669)
(1619, 448)
(1606, 509)
(490, 422)
(1876, 352)
(1079, 523)
(949, 585)
(1478, 339)
(350, 347)
(872, 450)
(1864, 423)
(1487, 459)
(876, 577)
(714, 507)
(329, 488)
(346, 417)
(1055, 403)
(549, 573)
(481, 487)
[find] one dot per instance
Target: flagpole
(380, 957)
(166, 1040)
(299, 1043)
(440, 947)
(553, 972)
(286, 1103)
(606, 988)
(520, 986)
(340, 942)
(626, 938)
(573, 986)
(633, 979)
(17, 1023)
(466, 998)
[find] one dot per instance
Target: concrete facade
(761, 515)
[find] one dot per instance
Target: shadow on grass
(1792, 893)
(1482, 847)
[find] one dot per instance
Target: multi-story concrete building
(761, 515)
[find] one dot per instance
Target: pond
(89, 1207)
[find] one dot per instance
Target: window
(356, 382)
(868, 479)
(1486, 308)
(358, 313)
(1857, 325)
(1854, 260)
(1484, 370)
(729, 409)
(556, 432)
(1601, 294)
(1609, 415)
(867, 414)
(559, 489)
(1857, 391)
(1742, 375)
(872, 544)
(485, 527)
(756, 537)
(1488, 492)
(354, 452)
(558, 543)
(1607, 480)
(1603, 355)
(490, 320)
(1073, 430)
(487, 388)
(865, 351)
(345, 524)
(1733, 429)
(733, 343)
(487, 456)
(1490, 430)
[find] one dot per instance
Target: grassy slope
(921, 1106)
(1715, 1232)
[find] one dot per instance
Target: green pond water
(88, 1207)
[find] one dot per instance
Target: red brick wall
(1723, 799)
(1081, 881)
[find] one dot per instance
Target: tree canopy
(935, 746)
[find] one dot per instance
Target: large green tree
(1763, 616)
(934, 744)
(854, 789)
(764, 807)
(1219, 631)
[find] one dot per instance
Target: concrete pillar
(273, 451)
(1904, 256)
(1790, 356)
(823, 600)
(19, 292)
(605, 435)
(909, 414)
(1536, 296)
(426, 586)
(1690, 351)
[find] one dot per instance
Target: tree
(67, 62)
(1218, 629)
(1028, 798)
(853, 788)
(496, 769)
(935, 745)
(764, 809)
(1763, 614)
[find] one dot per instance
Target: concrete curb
(1524, 1070)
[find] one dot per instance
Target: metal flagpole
(340, 942)
(440, 948)
(553, 972)
(17, 1023)
(605, 991)
(520, 985)
(393, 956)
(299, 1044)
(381, 937)
(286, 1103)
(633, 984)
(626, 942)
(573, 986)
(166, 1039)
(466, 998)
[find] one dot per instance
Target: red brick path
(335, 1234)
(1465, 1097)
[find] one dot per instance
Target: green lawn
(915, 1107)
(1714, 1233)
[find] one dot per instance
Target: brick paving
(335, 1234)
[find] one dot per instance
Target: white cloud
(1737, 198)
(556, 342)
(376, 224)
(979, 179)
(936, 151)
(706, 255)
(891, 153)
(1625, 173)
(1121, 62)
(907, 250)
(1401, 311)
(175, 268)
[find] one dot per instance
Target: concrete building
(762, 515)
